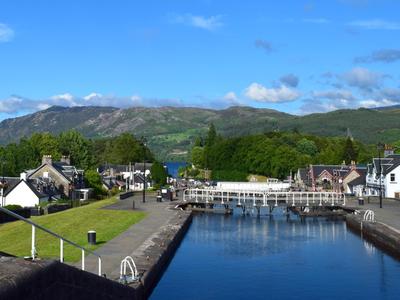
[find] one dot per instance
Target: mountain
(171, 130)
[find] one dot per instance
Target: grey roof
(116, 168)
(31, 186)
(11, 183)
(388, 164)
(318, 169)
(360, 180)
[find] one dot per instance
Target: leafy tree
(93, 180)
(198, 156)
(73, 144)
(124, 149)
(306, 146)
(45, 144)
(198, 142)
(349, 151)
(158, 173)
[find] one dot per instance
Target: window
(392, 177)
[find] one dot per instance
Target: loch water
(276, 257)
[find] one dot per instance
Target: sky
(294, 56)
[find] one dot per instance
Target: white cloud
(376, 24)
(260, 93)
(207, 23)
(16, 104)
(92, 96)
(230, 96)
(370, 103)
(6, 33)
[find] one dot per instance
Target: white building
(389, 167)
(25, 195)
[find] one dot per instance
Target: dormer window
(392, 177)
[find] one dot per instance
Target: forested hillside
(273, 154)
(171, 131)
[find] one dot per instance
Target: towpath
(127, 242)
(388, 214)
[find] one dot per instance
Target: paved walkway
(388, 214)
(127, 242)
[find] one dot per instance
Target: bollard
(91, 237)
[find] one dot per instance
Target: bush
(13, 207)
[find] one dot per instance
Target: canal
(245, 257)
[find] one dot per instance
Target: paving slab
(388, 214)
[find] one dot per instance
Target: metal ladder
(62, 240)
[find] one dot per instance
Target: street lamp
(143, 139)
(380, 147)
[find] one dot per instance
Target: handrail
(204, 193)
(369, 216)
(62, 239)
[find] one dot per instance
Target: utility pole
(144, 168)
(380, 146)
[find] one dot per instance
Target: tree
(198, 156)
(73, 144)
(349, 151)
(198, 142)
(211, 136)
(124, 149)
(93, 180)
(158, 174)
(306, 146)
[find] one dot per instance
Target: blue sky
(294, 56)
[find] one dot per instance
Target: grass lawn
(73, 224)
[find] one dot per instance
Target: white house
(25, 195)
(389, 167)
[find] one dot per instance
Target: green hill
(171, 130)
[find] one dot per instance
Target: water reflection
(252, 236)
(248, 257)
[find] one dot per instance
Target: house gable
(22, 194)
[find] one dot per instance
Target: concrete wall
(378, 233)
(21, 279)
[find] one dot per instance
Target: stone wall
(378, 233)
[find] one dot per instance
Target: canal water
(245, 257)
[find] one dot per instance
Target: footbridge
(252, 198)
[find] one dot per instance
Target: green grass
(73, 224)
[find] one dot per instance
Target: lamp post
(380, 147)
(144, 168)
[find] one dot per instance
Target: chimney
(388, 150)
(47, 160)
(353, 165)
(22, 176)
(66, 159)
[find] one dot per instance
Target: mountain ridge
(172, 130)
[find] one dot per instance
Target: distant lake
(245, 257)
(174, 166)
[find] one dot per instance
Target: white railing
(369, 216)
(62, 240)
(264, 198)
(134, 274)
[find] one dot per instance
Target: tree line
(273, 154)
(84, 153)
